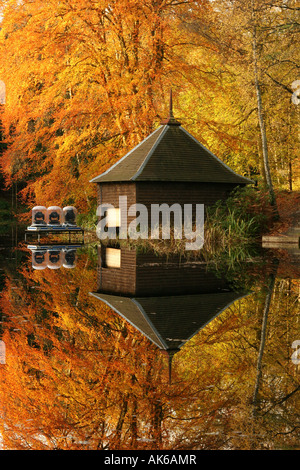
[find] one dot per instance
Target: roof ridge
(108, 300)
(171, 153)
(147, 157)
(214, 156)
(151, 325)
(125, 156)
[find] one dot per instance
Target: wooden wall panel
(117, 280)
(109, 193)
(159, 276)
(149, 275)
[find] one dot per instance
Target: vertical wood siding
(145, 274)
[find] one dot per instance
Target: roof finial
(171, 121)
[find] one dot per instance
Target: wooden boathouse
(170, 166)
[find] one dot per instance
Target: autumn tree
(248, 117)
(88, 85)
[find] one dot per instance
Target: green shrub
(246, 213)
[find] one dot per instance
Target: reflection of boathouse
(170, 166)
(168, 301)
(125, 271)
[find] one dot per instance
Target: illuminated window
(112, 258)
(113, 218)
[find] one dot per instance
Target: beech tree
(250, 108)
(87, 84)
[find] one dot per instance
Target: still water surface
(108, 349)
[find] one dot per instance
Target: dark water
(123, 350)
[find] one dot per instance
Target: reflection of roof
(170, 153)
(172, 320)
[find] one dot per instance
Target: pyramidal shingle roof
(170, 153)
(169, 322)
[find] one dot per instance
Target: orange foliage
(78, 376)
(85, 83)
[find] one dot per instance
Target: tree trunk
(262, 341)
(119, 427)
(156, 423)
(290, 176)
(261, 118)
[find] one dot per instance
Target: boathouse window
(113, 217)
(112, 258)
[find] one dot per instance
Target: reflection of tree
(77, 376)
(263, 339)
(276, 391)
